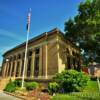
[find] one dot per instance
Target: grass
(89, 93)
(77, 96)
(91, 87)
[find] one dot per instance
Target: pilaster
(7, 72)
(11, 68)
(46, 69)
(4, 70)
(40, 62)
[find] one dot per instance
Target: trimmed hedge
(71, 80)
(31, 85)
(18, 83)
(10, 87)
(53, 87)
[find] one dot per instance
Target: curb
(20, 97)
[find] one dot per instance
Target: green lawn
(77, 96)
(91, 87)
(89, 93)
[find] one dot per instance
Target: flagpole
(26, 49)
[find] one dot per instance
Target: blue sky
(46, 15)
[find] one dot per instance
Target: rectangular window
(29, 68)
(17, 69)
(36, 64)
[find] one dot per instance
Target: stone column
(25, 75)
(12, 71)
(7, 73)
(40, 62)
(11, 68)
(4, 70)
(58, 54)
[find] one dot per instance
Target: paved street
(4, 96)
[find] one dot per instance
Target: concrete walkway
(4, 96)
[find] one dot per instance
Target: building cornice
(51, 32)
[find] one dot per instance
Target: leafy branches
(85, 29)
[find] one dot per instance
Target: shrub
(53, 87)
(71, 80)
(10, 87)
(18, 83)
(94, 78)
(31, 85)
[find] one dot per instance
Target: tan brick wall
(62, 60)
(56, 59)
(52, 59)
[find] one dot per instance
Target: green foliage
(18, 83)
(84, 29)
(71, 80)
(53, 87)
(31, 85)
(10, 87)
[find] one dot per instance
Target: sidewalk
(4, 96)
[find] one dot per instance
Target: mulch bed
(38, 95)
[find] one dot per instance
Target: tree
(84, 29)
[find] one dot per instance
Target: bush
(10, 87)
(53, 87)
(94, 78)
(71, 80)
(18, 83)
(31, 85)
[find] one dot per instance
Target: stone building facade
(48, 53)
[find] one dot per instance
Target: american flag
(28, 20)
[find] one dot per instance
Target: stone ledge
(17, 96)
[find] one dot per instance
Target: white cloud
(10, 34)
